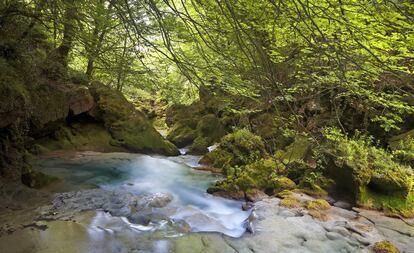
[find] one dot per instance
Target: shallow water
(141, 174)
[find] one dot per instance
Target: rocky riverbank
(108, 220)
(79, 220)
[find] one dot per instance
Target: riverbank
(122, 220)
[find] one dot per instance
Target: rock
(254, 195)
(118, 203)
(199, 146)
(247, 206)
(81, 101)
(158, 200)
(128, 127)
(181, 135)
(343, 204)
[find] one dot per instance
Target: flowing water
(144, 174)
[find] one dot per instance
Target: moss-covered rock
(138, 135)
(36, 179)
(181, 135)
(385, 247)
(79, 136)
(210, 128)
(199, 146)
(127, 126)
(238, 148)
(371, 175)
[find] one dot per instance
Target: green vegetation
(299, 95)
(317, 204)
(385, 247)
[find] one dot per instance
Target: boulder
(238, 148)
(129, 127)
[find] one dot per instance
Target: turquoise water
(142, 174)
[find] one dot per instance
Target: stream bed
(121, 202)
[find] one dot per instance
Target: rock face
(53, 116)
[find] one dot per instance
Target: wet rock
(247, 206)
(117, 203)
(157, 200)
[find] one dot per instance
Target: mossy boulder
(138, 135)
(181, 135)
(238, 148)
(268, 126)
(210, 128)
(129, 127)
(260, 175)
(371, 175)
(205, 132)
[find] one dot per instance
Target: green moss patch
(385, 247)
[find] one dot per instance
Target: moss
(220, 159)
(284, 194)
(283, 183)
(271, 128)
(290, 202)
(210, 128)
(317, 204)
(371, 174)
(181, 135)
(199, 146)
(139, 136)
(385, 247)
(36, 179)
(239, 148)
(129, 127)
(85, 136)
(317, 214)
(314, 183)
(392, 205)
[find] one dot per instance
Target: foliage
(376, 179)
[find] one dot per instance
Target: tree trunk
(62, 52)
